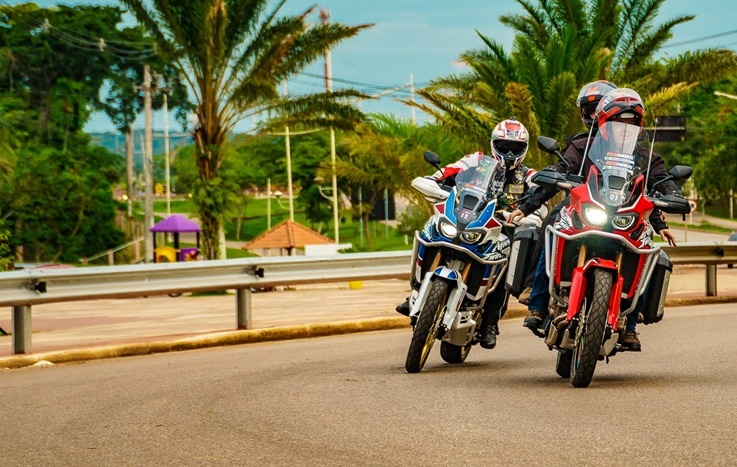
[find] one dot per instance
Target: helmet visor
(511, 148)
(589, 108)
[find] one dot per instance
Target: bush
(410, 220)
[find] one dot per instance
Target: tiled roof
(287, 234)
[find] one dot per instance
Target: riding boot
(489, 331)
(403, 308)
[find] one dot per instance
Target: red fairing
(440, 208)
(492, 223)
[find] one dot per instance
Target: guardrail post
(711, 280)
(243, 308)
(21, 329)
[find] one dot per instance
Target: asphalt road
(346, 400)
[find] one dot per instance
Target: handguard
(430, 189)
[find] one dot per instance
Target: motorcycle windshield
(475, 186)
(613, 152)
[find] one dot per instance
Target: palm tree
(559, 46)
(385, 153)
(233, 54)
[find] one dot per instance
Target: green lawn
(256, 222)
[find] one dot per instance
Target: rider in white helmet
(509, 143)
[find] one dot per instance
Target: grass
(702, 226)
(256, 222)
(178, 206)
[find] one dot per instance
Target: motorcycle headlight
(448, 230)
(471, 237)
(594, 216)
(623, 222)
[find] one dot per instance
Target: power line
(700, 39)
(85, 42)
(377, 87)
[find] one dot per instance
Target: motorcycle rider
(509, 144)
(623, 105)
(587, 100)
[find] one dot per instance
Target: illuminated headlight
(448, 230)
(471, 237)
(594, 216)
(623, 222)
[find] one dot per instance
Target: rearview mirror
(680, 173)
(547, 144)
(432, 158)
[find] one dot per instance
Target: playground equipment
(175, 225)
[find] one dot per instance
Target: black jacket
(574, 157)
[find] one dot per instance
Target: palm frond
(660, 102)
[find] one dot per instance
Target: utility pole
(268, 203)
(325, 17)
(289, 165)
(129, 159)
(165, 92)
(166, 154)
(148, 167)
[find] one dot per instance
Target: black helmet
(589, 97)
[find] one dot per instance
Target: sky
(423, 39)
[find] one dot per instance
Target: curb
(207, 340)
(265, 335)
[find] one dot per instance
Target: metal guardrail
(703, 253)
(23, 289)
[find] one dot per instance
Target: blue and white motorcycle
(458, 259)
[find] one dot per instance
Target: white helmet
(509, 143)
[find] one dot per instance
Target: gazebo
(287, 238)
(176, 224)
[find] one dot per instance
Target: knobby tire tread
(595, 323)
(435, 299)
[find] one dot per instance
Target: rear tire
(590, 331)
(426, 328)
(454, 353)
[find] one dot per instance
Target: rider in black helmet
(587, 100)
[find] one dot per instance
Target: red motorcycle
(600, 256)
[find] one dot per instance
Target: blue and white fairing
(466, 217)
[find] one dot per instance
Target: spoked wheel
(590, 331)
(563, 363)
(454, 353)
(426, 328)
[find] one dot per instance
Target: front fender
(455, 295)
(580, 283)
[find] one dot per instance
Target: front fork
(577, 298)
(455, 295)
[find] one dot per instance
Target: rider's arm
(574, 157)
(658, 173)
(465, 162)
(657, 221)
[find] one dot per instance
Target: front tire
(454, 353)
(590, 331)
(426, 328)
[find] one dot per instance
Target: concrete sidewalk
(162, 323)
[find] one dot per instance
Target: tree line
(224, 61)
